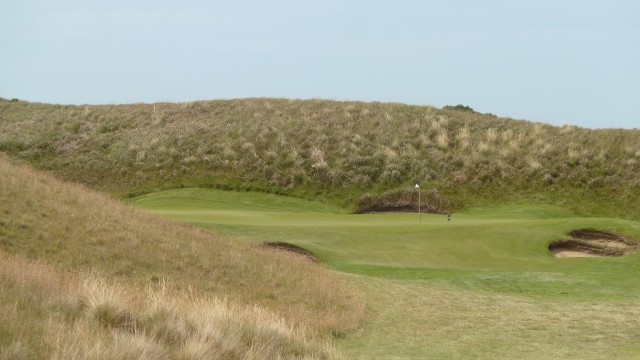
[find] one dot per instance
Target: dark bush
(459, 107)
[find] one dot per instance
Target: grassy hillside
(483, 286)
(78, 231)
(335, 151)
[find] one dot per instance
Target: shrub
(458, 107)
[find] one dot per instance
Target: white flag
(417, 186)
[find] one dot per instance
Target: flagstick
(419, 212)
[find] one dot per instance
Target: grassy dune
(336, 151)
(78, 231)
(481, 286)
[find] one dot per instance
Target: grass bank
(78, 231)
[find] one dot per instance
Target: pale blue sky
(558, 61)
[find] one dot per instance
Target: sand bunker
(283, 246)
(591, 243)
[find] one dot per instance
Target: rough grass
(76, 229)
(418, 320)
(334, 150)
(45, 313)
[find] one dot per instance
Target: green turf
(482, 253)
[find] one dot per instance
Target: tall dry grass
(45, 313)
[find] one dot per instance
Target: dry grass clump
(60, 316)
(442, 139)
(80, 230)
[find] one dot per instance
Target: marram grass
(50, 314)
(335, 151)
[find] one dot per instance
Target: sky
(555, 61)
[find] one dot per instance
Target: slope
(78, 230)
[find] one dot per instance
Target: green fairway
(483, 285)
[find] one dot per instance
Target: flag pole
(419, 212)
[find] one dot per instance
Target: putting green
(410, 266)
(505, 244)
